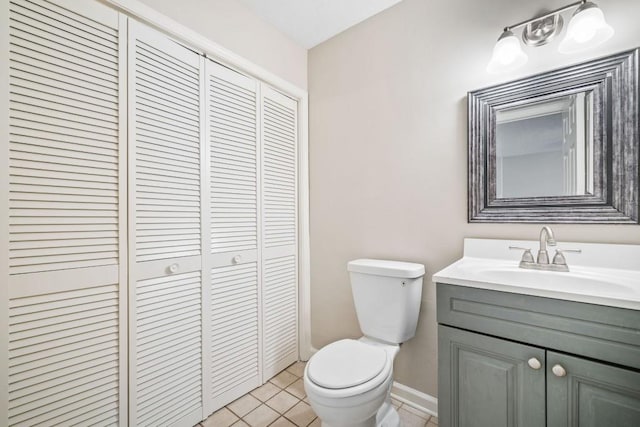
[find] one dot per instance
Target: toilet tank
(387, 297)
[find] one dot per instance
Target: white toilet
(348, 382)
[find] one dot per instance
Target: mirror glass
(545, 147)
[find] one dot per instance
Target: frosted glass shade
(507, 54)
(587, 29)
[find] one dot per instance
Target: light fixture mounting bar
(537, 18)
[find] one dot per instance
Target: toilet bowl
(348, 382)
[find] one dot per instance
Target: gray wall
(388, 148)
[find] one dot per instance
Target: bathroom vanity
(539, 348)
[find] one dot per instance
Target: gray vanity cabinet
(516, 360)
(591, 394)
(489, 381)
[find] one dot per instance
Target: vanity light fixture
(507, 54)
(587, 28)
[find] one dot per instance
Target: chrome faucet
(546, 237)
(542, 263)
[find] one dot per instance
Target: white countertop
(603, 274)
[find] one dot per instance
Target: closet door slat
(279, 169)
(47, 359)
(177, 132)
(162, 366)
(228, 168)
(234, 333)
(280, 308)
(234, 349)
(66, 214)
(166, 204)
(33, 167)
(279, 231)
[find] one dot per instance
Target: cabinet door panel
(486, 382)
(591, 394)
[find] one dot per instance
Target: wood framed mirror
(558, 147)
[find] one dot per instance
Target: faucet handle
(559, 258)
(527, 256)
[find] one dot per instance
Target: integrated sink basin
(602, 274)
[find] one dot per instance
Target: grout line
(241, 418)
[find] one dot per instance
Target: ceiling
(310, 22)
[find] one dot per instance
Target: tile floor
(282, 402)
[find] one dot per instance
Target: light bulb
(507, 54)
(583, 35)
(507, 51)
(587, 29)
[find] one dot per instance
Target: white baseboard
(415, 398)
(306, 355)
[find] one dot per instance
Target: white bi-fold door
(234, 309)
(252, 140)
(67, 215)
(279, 215)
(165, 232)
(152, 217)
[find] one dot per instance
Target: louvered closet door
(165, 232)
(67, 256)
(279, 231)
(234, 346)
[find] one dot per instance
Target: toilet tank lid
(380, 267)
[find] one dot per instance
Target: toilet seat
(348, 367)
(353, 404)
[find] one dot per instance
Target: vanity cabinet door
(487, 382)
(589, 394)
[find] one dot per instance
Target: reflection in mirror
(545, 148)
